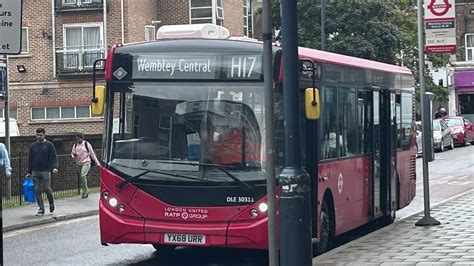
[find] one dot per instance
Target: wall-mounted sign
(10, 26)
(440, 26)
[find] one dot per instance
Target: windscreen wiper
(135, 177)
(218, 166)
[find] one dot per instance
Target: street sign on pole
(440, 26)
(10, 26)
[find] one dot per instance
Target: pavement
(65, 209)
(403, 243)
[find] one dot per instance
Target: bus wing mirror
(98, 101)
(312, 104)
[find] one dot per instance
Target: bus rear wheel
(326, 231)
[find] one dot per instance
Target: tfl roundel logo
(439, 9)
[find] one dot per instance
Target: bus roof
(350, 61)
(201, 45)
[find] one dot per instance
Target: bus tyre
(164, 250)
(326, 231)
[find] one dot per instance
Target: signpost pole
(427, 220)
(269, 136)
(10, 43)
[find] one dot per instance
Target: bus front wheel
(326, 230)
(164, 249)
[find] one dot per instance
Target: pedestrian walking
(85, 157)
(5, 160)
(42, 160)
(441, 113)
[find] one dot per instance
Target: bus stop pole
(427, 220)
(6, 116)
(294, 204)
(269, 134)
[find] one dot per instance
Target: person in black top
(42, 160)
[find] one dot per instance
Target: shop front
(464, 91)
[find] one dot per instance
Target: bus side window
(364, 107)
(328, 135)
(347, 122)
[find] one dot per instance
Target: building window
(24, 40)
(206, 11)
(247, 18)
(83, 44)
(13, 113)
(62, 112)
(470, 47)
(149, 33)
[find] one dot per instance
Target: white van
(14, 131)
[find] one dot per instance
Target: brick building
(50, 82)
(461, 71)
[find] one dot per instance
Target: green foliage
(381, 31)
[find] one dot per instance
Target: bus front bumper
(117, 229)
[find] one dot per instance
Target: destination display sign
(190, 66)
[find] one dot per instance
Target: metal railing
(77, 5)
(65, 183)
(77, 60)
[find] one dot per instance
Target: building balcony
(79, 5)
(77, 61)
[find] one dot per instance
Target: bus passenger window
(347, 122)
(328, 134)
(364, 107)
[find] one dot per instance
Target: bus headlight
(263, 207)
(113, 202)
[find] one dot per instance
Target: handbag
(28, 190)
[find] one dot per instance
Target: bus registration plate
(185, 239)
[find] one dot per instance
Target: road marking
(39, 227)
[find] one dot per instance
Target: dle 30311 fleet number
(241, 199)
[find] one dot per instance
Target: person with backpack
(85, 157)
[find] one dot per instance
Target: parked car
(461, 129)
(442, 135)
(419, 139)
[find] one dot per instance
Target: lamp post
(295, 226)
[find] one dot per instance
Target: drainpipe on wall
(53, 34)
(122, 21)
(105, 28)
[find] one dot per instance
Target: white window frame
(2, 113)
(27, 41)
(246, 7)
(80, 50)
(60, 113)
(216, 6)
(469, 48)
(150, 33)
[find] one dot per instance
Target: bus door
(384, 150)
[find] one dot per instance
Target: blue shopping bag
(28, 190)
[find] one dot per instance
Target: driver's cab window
(223, 129)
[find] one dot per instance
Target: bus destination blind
(197, 67)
